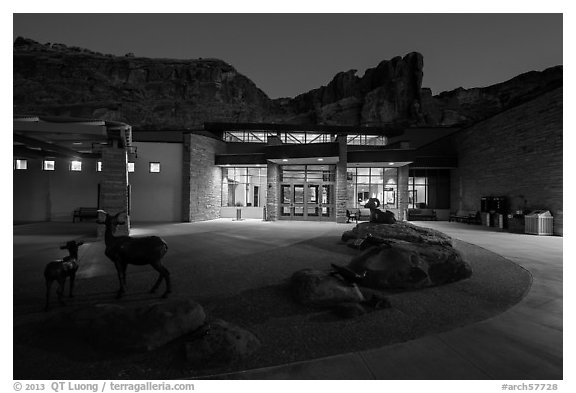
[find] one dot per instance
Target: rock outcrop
(158, 94)
(317, 288)
(404, 256)
(168, 94)
(136, 327)
(221, 343)
(401, 230)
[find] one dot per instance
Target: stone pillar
(341, 180)
(114, 186)
(186, 179)
(202, 179)
(403, 196)
(272, 191)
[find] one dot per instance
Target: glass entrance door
(307, 201)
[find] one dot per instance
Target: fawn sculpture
(60, 270)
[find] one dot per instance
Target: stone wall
(517, 154)
(403, 196)
(341, 180)
(114, 186)
(202, 180)
(272, 191)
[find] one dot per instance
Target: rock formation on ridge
(168, 94)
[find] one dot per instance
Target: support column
(272, 191)
(341, 180)
(114, 186)
(403, 196)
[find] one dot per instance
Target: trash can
(539, 222)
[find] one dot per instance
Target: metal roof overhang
(39, 136)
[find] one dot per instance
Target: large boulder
(399, 264)
(400, 230)
(137, 327)
(220, 342)
(314, 287)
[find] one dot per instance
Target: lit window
(48, 165)
(154, 167)
(20, 164)
(131, 167)
(76, 166)
(99, 166)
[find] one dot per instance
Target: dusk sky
(289, 54)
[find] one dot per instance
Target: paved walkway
(523, 343)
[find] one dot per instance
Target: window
(366, 183)
(130, 167)
(21, 164)
(429, 188)
(154, 167)
(309, 173)
(48, 165)
(76, 166)
(99, 166)
(244, 186)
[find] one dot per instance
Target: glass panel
(390, 196)
(286, 196)
(419, 180)
(312, 211)
(299, 194)
(48, 165)
(312, 193)
(376, 192)
(390, 176)
(420, 195)
(285, 211)
(326, 194)
(325, 211)
(314, 176)
(363, 194)
(363, 171)
(299, 211)
(21, 164)
(77, 166)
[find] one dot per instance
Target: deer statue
(61, 269)
(126, 250)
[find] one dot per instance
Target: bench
(467, 216)
(85, 213)
(355, 214)
(421, 214)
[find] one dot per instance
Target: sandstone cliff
(164, 94)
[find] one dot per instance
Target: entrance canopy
(40, 136)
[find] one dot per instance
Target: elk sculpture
(126, 250)
(61, 269)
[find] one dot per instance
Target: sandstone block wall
(517, 154)
(202, 180)
(273, 191)
(341, 181)
(114, 186)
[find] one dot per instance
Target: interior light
(390, 163)
(76, 143)
(320, 159)
(284, 160)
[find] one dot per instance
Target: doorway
(307, 201)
